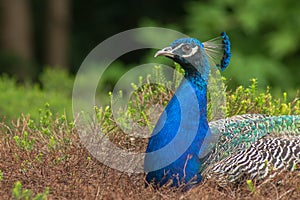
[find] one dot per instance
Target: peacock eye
(186, 48)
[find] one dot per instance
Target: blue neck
(174, 149)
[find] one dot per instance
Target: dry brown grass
(70, 173)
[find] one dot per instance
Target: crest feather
(218, 51)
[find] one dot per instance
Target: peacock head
(189, 53)
(196, 57)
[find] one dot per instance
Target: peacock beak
(168, 51)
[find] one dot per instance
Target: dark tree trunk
(16, 36)
(57, 33)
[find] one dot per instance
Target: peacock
(184, 148)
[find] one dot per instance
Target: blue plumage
(176, 150)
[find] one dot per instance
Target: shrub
(16, 99)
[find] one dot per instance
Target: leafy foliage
(19, 193)
(264, 37)
(16, 99)
(250, 100)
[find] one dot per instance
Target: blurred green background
(42, 43)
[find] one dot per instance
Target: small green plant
(39, 157)
(51, 131)
(295, 167)
(26, 194)
(250, 185)
(1, 175)
(149, 93)
(24, 141)
(249, 100)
